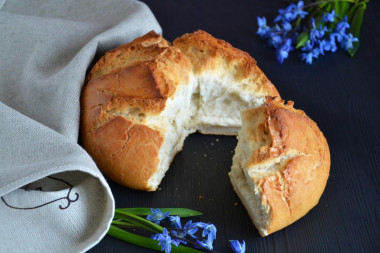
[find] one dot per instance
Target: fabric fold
(53, 198)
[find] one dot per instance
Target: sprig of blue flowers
(167, 230)
(315, 28)
(173, 232)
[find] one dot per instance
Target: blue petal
(261, 21)
(175, 221)
(207, 244)
(329, 17)
(286, 26)
(307, 57)
(237, 247)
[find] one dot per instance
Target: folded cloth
(53, 197)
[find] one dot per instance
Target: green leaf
(329, 7)
(181, 212)
(122, 223)
(356, 23)
(144, 241)
(355, 47)
(357, 20)
(302, 39)
(336, 7)
(344, 7)
(351, 12)
(141, 222)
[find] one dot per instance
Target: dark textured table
(338, 92)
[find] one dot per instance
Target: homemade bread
(281, 164)
(143, 98)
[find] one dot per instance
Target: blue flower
(308, 46)
(332, 43)
(342, 25)
(347, 42)
(324, 45)
(283, 51)
(299, 11)
(329, 17)
(175, 221)
(275, 39)
(157, 216)
(191, 228)
(340, 33)
(285, 15)
(164, 240)
(317, 32)
(263, 30)
(307, 57)
(205, 243)
(311, 52)
(176, 242)
(209, 230)
(286, 26)
(291, 12)
(237, 247)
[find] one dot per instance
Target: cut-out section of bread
(229, 81)
(281, 165)
(144, 98)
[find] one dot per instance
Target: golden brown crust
(141, 49)
(126, 85)
(294, 189)
(115, 147)
(208, 53)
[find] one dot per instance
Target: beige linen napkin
(53, 197)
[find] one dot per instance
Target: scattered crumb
(200, 197)
(326, 205)
(235, 203)
(204, 155)
(212, 144)
(217, 140)
(159, 189)
(176, 189)
(231, 151)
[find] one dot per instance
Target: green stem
(144, 241)
(181, 212)
(328, 1)
(134, 219)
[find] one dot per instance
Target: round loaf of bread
(281, 164)
(143, 98)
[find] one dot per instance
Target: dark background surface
(338, 92)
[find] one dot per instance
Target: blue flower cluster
(175, 234)
(321, 35)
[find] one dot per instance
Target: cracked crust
(123, 140)
(210, 54)
(127, 85)
(297, 183)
